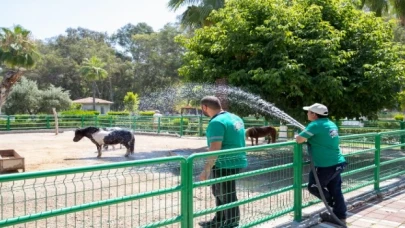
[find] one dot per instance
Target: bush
(146, 113)
(389, 125)
(399, 117)
(351, 131)
(79, 113)
(177, 121)
(112, 113)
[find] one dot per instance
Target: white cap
(318, 109)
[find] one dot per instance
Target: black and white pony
(111, 129)
(101, 137)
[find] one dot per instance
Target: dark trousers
(225, 192)
(331, 183)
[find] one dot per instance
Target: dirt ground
(47, 151)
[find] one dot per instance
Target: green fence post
(48, 125)
(111, 124)
(82, 120)
(158, 130)
(185, 191)
(96, 120)
(200, 126)
(181, 126)
(266, 123)
(189, 200)
(8, 123)
(402, 124)
(134, 123)
(377, 162)
(298, 182)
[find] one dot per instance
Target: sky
(49, 18)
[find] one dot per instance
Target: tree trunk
(94, 96)
(10, 78)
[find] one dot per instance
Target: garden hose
(318, 185)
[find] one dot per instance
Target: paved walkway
(388, 212)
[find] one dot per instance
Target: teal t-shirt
(323, 136)
(229, 129)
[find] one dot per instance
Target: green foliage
(92, 69)
(79, 113)
(131, 102)
(350, 131)
(17, 48)
(146, 113)
(146, 63)
(399, 117)
(54, 97)
(196, 15)
(389, 125)
(295, 53)
(177, 122)
(27, 98)
(75, 106)
(124, 113)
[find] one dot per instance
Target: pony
(111, 129)
(257, 132)
(100, 138)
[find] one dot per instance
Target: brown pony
(257, 132)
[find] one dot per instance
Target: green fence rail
(180, 125)
(166, 191)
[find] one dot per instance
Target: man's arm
(214, 146)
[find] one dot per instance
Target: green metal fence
(145, 193)
(167, 192)
(181, 125)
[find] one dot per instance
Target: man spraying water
(323, 144)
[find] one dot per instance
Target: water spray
(164, 99)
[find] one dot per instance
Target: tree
(26, 98)
(156, 60)
(17, 51)
(92, 70)
(131, 102)
(197, 12)
(124, 35)
(379, 7)
(54, 97)
(298, 53)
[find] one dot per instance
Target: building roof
(89, 100)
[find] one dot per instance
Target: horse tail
(132, 144)
(273, 133)
(247, 133)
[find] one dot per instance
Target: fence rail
(180, 125)
(166, 191)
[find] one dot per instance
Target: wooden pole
(55, 115)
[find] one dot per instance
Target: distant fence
(167, 192)
(180, 125)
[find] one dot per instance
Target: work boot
(326, 217)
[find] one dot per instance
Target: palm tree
(197, 11)
(92, 70)
(17, 51)
(396, 7)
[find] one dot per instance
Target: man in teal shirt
(225, 131)
(323, 140)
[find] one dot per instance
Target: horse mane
(90, 130)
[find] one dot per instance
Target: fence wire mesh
(62, 192)
(254, 190)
